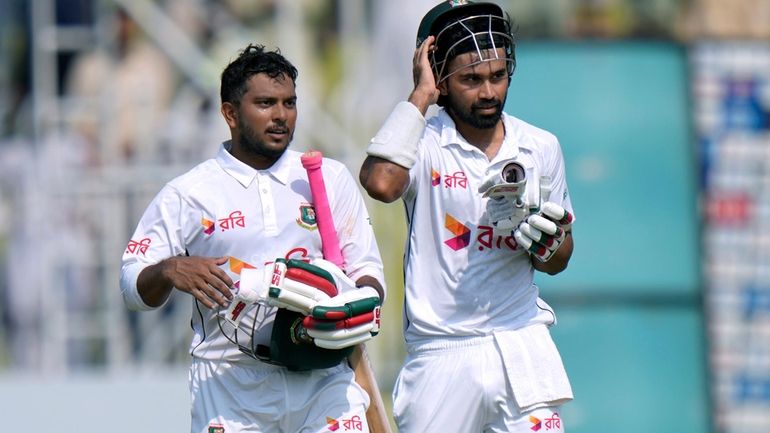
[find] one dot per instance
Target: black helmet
(462, 26)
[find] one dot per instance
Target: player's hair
(253, 60)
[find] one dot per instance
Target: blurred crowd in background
(103, 101)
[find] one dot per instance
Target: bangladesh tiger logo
(307, 218)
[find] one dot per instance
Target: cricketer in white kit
(222, 232)
(487, 205)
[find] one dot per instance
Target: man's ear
(230, 113)
(442, 87)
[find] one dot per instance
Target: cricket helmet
(462, 26)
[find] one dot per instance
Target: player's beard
(471, 117)
(256, 146)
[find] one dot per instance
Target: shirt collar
(244, 173)
(449, 136)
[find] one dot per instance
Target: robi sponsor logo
(462, 234)
(485, 236)
(536, 424)
(552, 423)
(354, 423)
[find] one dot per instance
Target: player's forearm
(560, 259)
(422, 98)
(153, 285)
(367, 280)
(383, 180)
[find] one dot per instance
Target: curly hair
(253, 60)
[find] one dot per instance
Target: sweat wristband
(397, 139)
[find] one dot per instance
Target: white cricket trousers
(263, 398)
(460, 385)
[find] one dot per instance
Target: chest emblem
(306, 217)
(462, 234)
(208, 226)
(457, 179)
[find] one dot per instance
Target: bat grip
(330, 245)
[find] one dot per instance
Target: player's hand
(201, 277)
(542, 234)
(425, 92)
(505, 213)
(299, 286)
(345, 320)
(506, 207)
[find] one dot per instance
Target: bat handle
(330, 245)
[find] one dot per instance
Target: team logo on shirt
(462, 234)
(552, 423)
(333, 424)
(354, 423)
(536, 424)
(235, 219)
(137, 247)
(486, 238)
(307, 217)
(237, 265)
(208, 226)
(457, 179)
(216, 428)
(435, 178)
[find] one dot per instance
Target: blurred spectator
(720, 19)
(14, 66)
(122, 93)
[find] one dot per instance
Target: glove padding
(351, 317)
(250, 289)
(345, 320)
(542, 234)
(339, 314)
(299, 286)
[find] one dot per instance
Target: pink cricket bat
(376, 416)
(330, 245)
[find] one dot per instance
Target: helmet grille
(482, 34)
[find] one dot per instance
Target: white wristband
(397, 139)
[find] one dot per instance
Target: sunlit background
(662, 108)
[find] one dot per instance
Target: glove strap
(330, 325)
(350, 309)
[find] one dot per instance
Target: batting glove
(504, 213)
(346, 319)
(351, 317)
(506, 206)
(299, 286)
(542, 234)
(252, 288)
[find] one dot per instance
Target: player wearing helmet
(487, 205)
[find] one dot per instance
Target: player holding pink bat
(274, 323)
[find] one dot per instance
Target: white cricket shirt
(224, 207)
(461, 279)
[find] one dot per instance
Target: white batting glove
(505, 214)
(299, 286)
(345, 320)
(506, 206)
(251, 288)
(542, 234)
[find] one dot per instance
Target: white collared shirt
(224, 207)
(462, 279)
